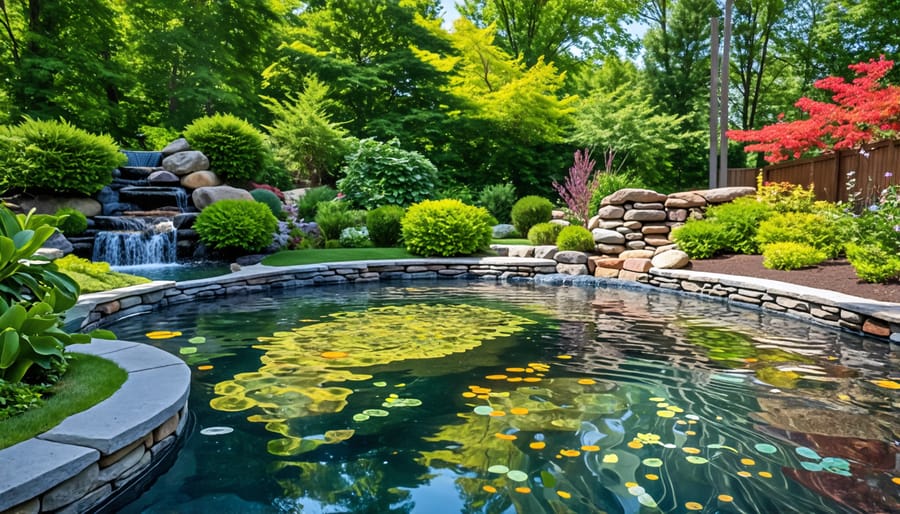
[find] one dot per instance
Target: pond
(476, 397)
(176, 271)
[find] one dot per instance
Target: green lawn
(88, 381)
(318, 256)
(511, 241)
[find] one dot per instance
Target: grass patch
(88, 381)
(511, 241)
(318, 255)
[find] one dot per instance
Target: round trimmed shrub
(384, 225)
(700, 239)
(575, 238)
(56, 156)
(498, 199)
(789, 255)
(74, 222)
(446, 228)
(814, 230)
(236, 150)
(269, 198)
(740, 220)
(545, 233)
(236, 224)
(529, 211)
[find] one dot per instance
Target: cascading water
(137, 241)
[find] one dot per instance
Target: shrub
(814, 230)
(236, 225)
(275, 174)
(544, 233)
(71, 222)
(307, 205)
(529, 211)
(700, 239)
(276, 191)
(873, 263)
(575, 238)
(16, 398)
(269, 198)
(446, 228)
(57, 156)
(93, 277)
(579, 185)
(157, 138)
(377, 174)
(609, 183)
(739, 220)
(459, 192)
(498, 199)
(236, 150)
(355, 237)
(784, 196)
(384, 225)
(791, 255)
(333, 217)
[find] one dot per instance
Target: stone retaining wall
(94, 454)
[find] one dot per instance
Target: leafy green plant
(236, 225)
(873, 263)
(446, 228)
(377, 174)
(700, 239)
(93, 277)
(459, 192)
(71, 222)
(544, 233)
(529, 211)
(56, 156)
(17, 397)
(784, 196)
(355, 237)
(575, 238)
(611, 181)
(236, 150)
(498, 199)
(268, 198)
(308, 204)
(790, 255)
(333, 217)
(814, 230)
(739, 220)
(384, 225)
(156, 138)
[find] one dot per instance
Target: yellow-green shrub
(446, 228)
(789, 255)
(94, 277)
(815, 230)
(544, 233)
(575, 238)
(236, 224)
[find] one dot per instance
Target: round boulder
(179, 145)
(673, 259)
(610, 237)
(633, 195)
(199, 179)
(46, 204)
(162, 178)
(502, 230)
(206, 196)
(182, 163)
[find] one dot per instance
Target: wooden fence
(836, 176)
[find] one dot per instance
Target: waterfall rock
(179, 145)
(117, 208)
(107, 195)
(59, 242)
(199, 179)
(163, 178)
(182, 163)
(46, 204)
(206, 196)
(185, 220)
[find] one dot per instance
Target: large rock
(59, 242)
(162, 178)
(645, 215)
(502, 230)
(184, 220)
(179, 145)
(199, 179)
(633, 195)
(610, 237)
(610, 249)
(182, 163)
(685, 200)
(545, 251)
(46, 204)
(611, 212)
(571, 257)
(572, 269)
(673, 259)
(206, 196)
(726, 194)
(593, 223)
(636, 254)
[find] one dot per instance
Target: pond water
(473, 397)
(175, 271)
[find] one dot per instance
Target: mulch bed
(835, 275)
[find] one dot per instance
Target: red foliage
(267, 187)
(863, 110)
(579, 186)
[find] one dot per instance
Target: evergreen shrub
(575, 238)
(384, 225)
(308, 203)
(529, 211)
(236, 225)
(701, 239)
(74, 222)
(236, 150)
(377, 174)
(498, 199)
(815, 230)
(873, 263)
(544, 233)
(740, 220)
(333, 217)
(790, 255)
(446, 228)
(269, 198)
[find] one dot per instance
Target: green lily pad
(811, 466)
(830, 463)
(636, 490)
(653, 462)
(360, 417)
(375, 413)
(517, 476)
(694, 459)
(187, 350)
(483, 410)
(809, 453)
(765, 448)
(197, 340)
(647, 501)
(500, 469)
(379, 384)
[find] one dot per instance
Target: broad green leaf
(37, 325)
(23, 238)
(46, 345)
(9, 348)
(103, 334)
(13, 317)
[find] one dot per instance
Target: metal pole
(723, 123)
(714, 102)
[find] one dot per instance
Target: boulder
(571, 257)
(522, 251)
(611, 212)
(610, 237)
(654, 205)
(656, 240)
(606, 272)
(645, 215)
(502, 230)
(182, 163)
(726, 194)
(545, 251)
(179, 145)
(673, 259)
(59, 242)
(184, 220)
(607, 262)
(678, 214)
(572, 269)
(610, 249)
(206, 196)
(685, 200)
(593, 223)
(637, 265)
(633, 225)
(636, 254)
(655, 229)
(162, 178)
(46, 204)
(199, 179)
(635, 245)
(633, 195)
(611, 224)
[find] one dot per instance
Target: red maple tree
(864, 110)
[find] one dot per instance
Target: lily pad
(375, 413)
(809, 453)
(653, 462)
(517, 476)
(499, 469)
(694, 459)
(216, 431)
(360, 417)
(379, 384)
(610, 458)
(483, 410)
(197, 340)
(811, 466)
(647, 501)
(765, 448)
(187, 350)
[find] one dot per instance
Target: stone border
(92, 455)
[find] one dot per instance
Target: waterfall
(146, 243)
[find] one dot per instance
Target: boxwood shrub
(544, 233)
(529, 211)
(269, 198)
(236, 150)
(384, 225)
(236, 225)
(446, 228)
(790, 255)
(575, 238)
